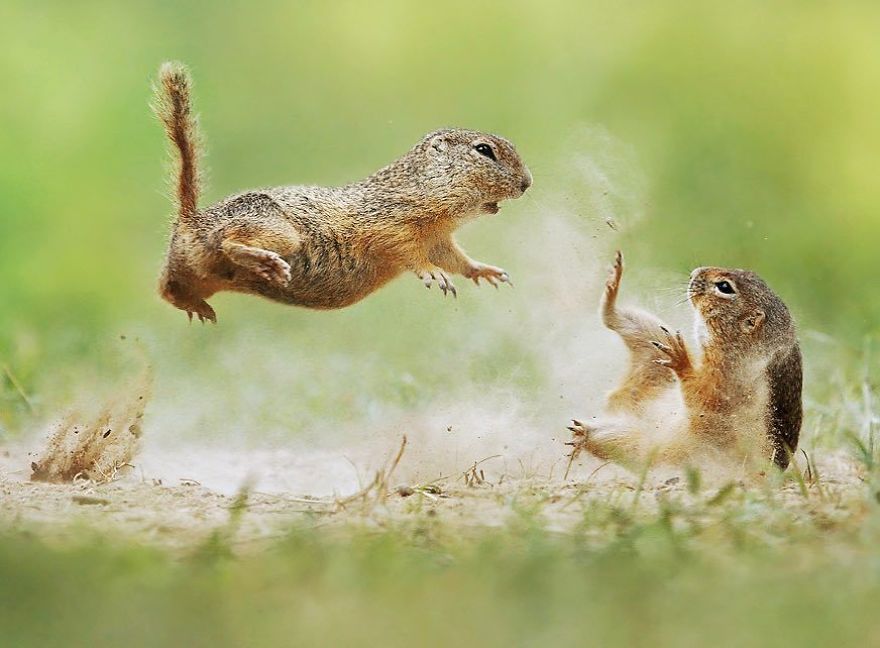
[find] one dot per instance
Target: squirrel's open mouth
(491, 208)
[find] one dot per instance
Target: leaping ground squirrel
(742, 399)
(329, 247)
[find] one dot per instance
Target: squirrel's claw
(579, 429)
(674, 348)
(443, 282)
(203, 311)
(203, 317)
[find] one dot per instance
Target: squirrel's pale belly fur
(329, 247)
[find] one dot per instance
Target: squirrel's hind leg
(262, 248)
(255, 234)
(628, 442)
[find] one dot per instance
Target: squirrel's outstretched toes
(490, 273)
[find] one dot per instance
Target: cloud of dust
(576, 212)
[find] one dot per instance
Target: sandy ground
(174, 502)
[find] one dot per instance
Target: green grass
(753, 569)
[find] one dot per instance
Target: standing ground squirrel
(742, 399)
(329, 247)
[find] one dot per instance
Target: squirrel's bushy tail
(173, 105)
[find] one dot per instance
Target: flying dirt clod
(742, 399)
(96, 446)
(329, 247)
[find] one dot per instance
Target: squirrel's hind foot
(580, 432)
(182, 296)
(580, 437)
(203, 311)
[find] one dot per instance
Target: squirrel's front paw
(443, 282)
(612, 285)
(490, 273)
(676, 352)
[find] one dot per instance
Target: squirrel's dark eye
(485, 149)
(724, 287)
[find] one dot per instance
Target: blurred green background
(737, 133)
(753, 126)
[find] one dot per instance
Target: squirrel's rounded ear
(439, 143)
(752, 322)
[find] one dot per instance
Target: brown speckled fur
(747, 385)
(329, 247)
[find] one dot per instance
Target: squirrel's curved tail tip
(173, 105)
(174, 73)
